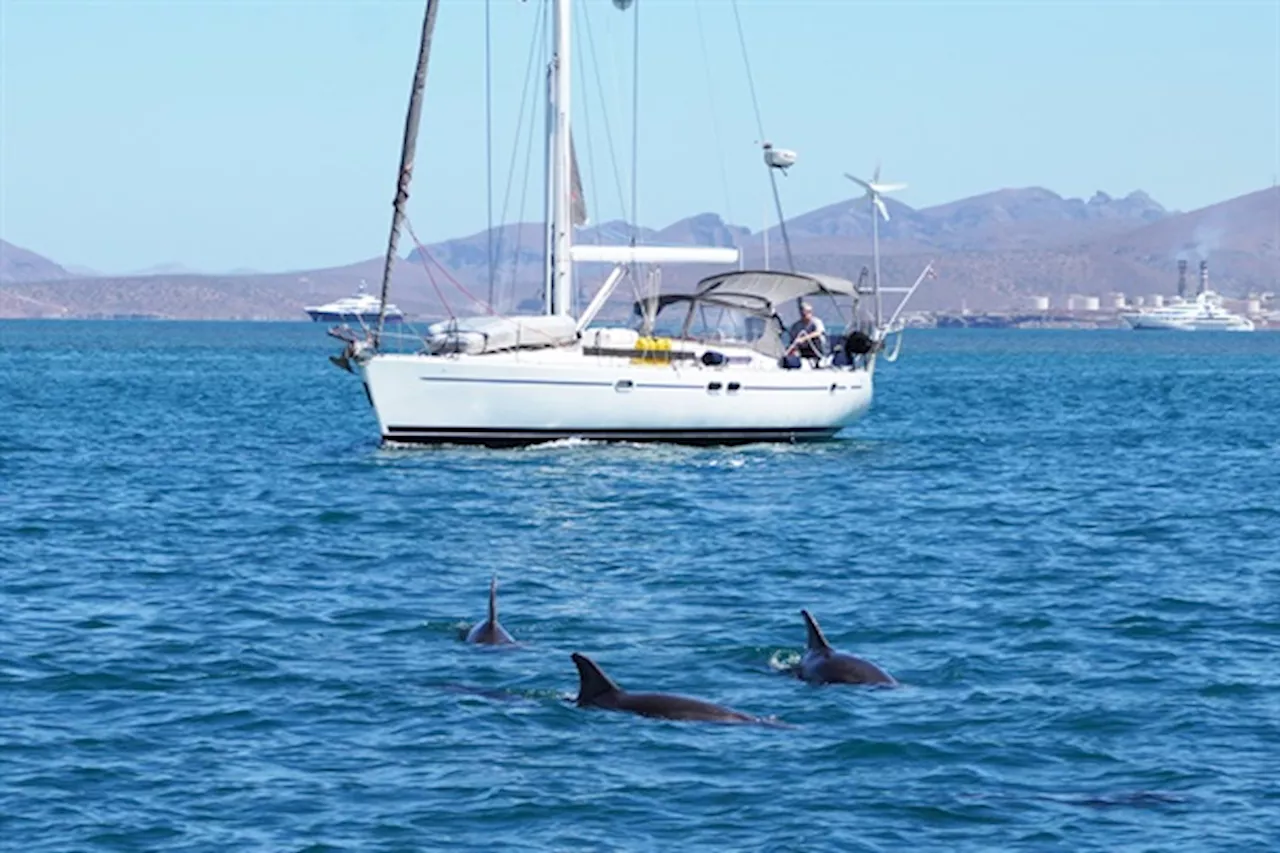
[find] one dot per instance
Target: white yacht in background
(1205, 314)
(361, 308)
(1202, 314)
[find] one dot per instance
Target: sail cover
(475, 335)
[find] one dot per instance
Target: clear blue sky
(265, 133)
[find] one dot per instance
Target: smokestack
(1204, 276)
(1182, 277)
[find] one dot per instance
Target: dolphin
(595, 689)
(822, 664)
(489, 632)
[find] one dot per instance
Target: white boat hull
(364, 318)
(1205, 314)
(521, 398)
(1141, 322)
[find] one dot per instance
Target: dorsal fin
(592, 682)
(493, 599)
(816, 640)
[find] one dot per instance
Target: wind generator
(874, 189)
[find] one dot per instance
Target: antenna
(779, 160)
(874, 189)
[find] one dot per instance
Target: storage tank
(1038, 303)
(1253, 307)
(1157, 300)
(1115, 300)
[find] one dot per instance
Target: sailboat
(711, 366)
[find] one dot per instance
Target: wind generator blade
(884, 211)
(875, 179)
(864, 184)
(889, 188)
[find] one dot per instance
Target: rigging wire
(711, 98)
(746, 60)
(755, 103)
(524, 195)
(581, 64)
(543, 60)
(635, 123)
(631, 276)
(600, 232)
(488, 144)
(539, 27)
(608, 130)
(773, 178)
(579, 67)
(653, 276)
(423, 255)
(782, 220)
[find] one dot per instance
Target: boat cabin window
(707, 321)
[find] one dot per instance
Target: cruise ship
(1203, 314)
(361, 308)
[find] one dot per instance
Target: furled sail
(407, 150)
(578, 200)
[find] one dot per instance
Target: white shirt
(800, 327)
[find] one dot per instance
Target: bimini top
(754, 289)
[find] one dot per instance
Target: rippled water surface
(230, 620)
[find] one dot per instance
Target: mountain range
(989, 251)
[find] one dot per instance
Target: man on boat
(808, 335)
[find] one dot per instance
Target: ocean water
(230, 620)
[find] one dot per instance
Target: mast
(559, 189)
(548, 194)
(875, 256)
(406, 158)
